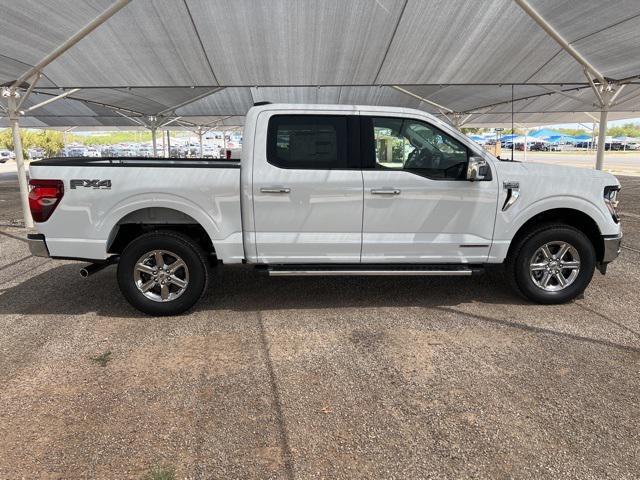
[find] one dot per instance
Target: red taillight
(44, 197)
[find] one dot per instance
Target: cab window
(412, 145)
(316, 142)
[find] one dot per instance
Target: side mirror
(476, 169)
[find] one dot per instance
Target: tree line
(50, 141)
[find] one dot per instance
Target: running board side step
(370, 270)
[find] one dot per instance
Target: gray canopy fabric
(208, 61)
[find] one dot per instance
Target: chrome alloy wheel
(554, 266)
(161, 276)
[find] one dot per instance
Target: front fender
(510, 222)
(515, 218)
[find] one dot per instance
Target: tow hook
(96, 267)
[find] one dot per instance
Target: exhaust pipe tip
(96, 267)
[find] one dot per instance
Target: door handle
(275, 190)
(385, 191)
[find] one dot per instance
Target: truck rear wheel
(552, 264)
(162, 273)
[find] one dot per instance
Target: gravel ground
(317, 377)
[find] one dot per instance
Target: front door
(418, 205)
(307, 190)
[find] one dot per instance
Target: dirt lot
(317, 377)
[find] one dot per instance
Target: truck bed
(102, 193)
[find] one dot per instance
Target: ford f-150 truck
(327, 190)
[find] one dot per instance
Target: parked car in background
(92, 152)
(126, 151)
(6, 155)
(36, 153)
(145, 151)
(539, 147)
(560, 147)
(76, 152)
(210, 151)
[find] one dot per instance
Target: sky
(613, 123)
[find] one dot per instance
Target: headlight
(611, 201)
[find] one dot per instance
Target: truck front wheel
(162, 273)
(552, 264)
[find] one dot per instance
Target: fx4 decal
(103, 184)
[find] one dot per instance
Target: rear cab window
(314, 142)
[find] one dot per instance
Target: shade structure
(209, 61)
(545, 133)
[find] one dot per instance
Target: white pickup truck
(327, 190)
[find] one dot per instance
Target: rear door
(418, 205)
(307, 188)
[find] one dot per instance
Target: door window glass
(307, 141)
(407, 144)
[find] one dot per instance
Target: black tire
(526, 247)
(193, 257)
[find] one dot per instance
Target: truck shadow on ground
(61, 291)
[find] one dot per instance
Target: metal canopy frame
(606, 91)
(34, 73)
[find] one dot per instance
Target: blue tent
(545, 133)
(520, 139)
(583, 137)
(563, 139)
(479, 139)
(508, 138)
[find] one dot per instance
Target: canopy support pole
(13, 112)
(50, 100)
(200, 133)
(173, 108)
(64, 136)
(627, 98)
(170, 121)
(602, 132)
(568, 95)
(36, 77)
(445, 111)
(164, 151)
(14, 119)
(154, 141)
(133, 119)
(606, 92)
(152, 124)
(566, 46)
